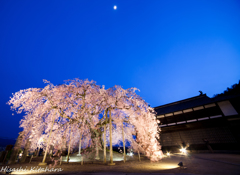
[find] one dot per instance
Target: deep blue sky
(168, 49)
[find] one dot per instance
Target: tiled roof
(190, 103)
(184, 104)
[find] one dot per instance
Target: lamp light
(183, 150)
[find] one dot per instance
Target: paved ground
(193, 163)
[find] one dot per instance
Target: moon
(115, 7)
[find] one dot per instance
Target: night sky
(168, 49)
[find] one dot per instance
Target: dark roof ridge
(181, 101)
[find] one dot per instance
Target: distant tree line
(233, 90)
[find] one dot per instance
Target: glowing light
(168, 154)
(130, 154)
(117, 159)
(72, 159)
(20, 155)
(25, 172)
(183, 150)
(115, 7)
(169, 166)
(79, 159)
(162, 166)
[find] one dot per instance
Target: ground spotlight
(183, 150)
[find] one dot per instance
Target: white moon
(115, 7)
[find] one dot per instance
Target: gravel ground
(192, 164)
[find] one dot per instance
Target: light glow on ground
(25, 172)
(79, 159)
(163, 166)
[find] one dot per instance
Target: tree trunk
(139, 156)
(124, 153)
(110, 133)
(69, 145)
(45, 155)
(16, 148)
(104, 149)
(105, 140)
(79, 150)
(38, 152)
(64, 144)
(97, 151)
(25, 152)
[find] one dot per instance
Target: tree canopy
(233, 90)
(79, 109)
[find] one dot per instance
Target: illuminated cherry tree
(83, 113)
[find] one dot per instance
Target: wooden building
(201, 121)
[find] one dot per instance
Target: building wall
(219, 124)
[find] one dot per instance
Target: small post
(82, 161)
